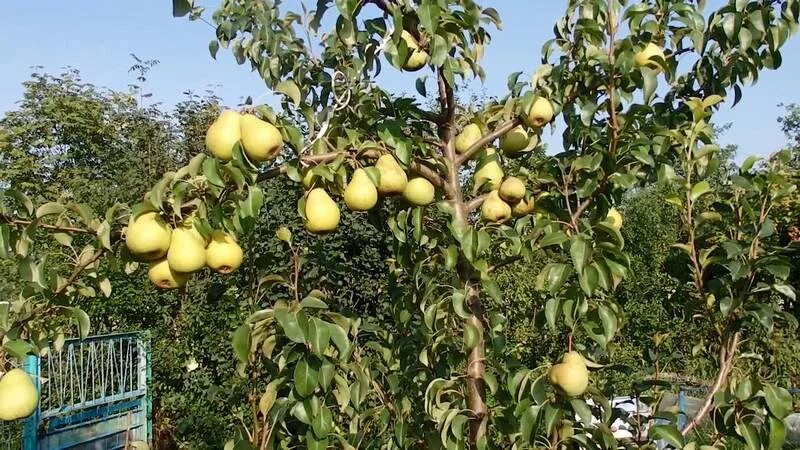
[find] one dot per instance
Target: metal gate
(93, 395)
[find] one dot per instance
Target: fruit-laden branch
(14, 221)
(486, 140)
(726, 356)
(372, 154)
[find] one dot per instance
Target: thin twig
(14, 221)
(77, 271)
(476, 202)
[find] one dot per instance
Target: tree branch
(726, 355)
(504, 262)
(476, 202)
(14, 221)
(486, 140)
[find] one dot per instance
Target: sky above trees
(98, 39)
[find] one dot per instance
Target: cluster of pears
(18, 395)
(506, 194)
(260, 140)
(361, 194)
(570, 376)
(174, 254)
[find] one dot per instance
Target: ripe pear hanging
(148, 236)
(164, 277)
(393, 178)
(261, 140)
(419, 191)
(223, 254)
(468, 136)
(417, 57)
(322, 213)
(18, 395)
(186, 252)
(494, 209)
(489, 172)
(540, 113)
(223, 134)
(571, 376)
(360, 194)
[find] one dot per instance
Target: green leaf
(668, 433)
(650, 79)
(579, 250)
(291, 90)
(268, 397)
(211, 172)
(81, 320)
(551, 309)
(305, 378)
(291, 327)
(582, 409)
(322, 422)
(241, 342)
(700, 189)
(319, 336)
(181, 8)
(340, 340)
(471, 336)
(313, 303)
(779, 400)
(22, 199)
(213, 48)
(18, 348)
(777, 434)
(49, 209)
(428, 15)
(750, 435)
(785, 290)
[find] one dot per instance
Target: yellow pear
(512, 190)
(515, 140)
(417, 57)
(360, 194)
(419, 191)
(148, 236)
(223, 134)
(187, 252)
(468, 136)
(614, 218)
(540, 113)
(322, 213)
(571, 376)
(18, 395)
(261, 141)
(643, 58)
(393, 178)
(494, 209)
(489, 172)
(522, 208)
(164, 277)
(223, 254)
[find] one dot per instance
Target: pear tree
(632, 86)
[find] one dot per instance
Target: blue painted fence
(93, 395)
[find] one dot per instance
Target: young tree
(435, 375)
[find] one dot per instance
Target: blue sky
(97, 38)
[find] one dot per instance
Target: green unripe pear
(164, 277)
(419, 191)
(468, 136)
(515, 140)
(261, 141)
(18, 395)
(148, 236)
(540, 113)
(570, 376)
(360, 194)
(488, 172)
(223, 254)
(322, 213)
(417, 57)
(223, 134)
(393, 178)
(512, 190)
(494, 209)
